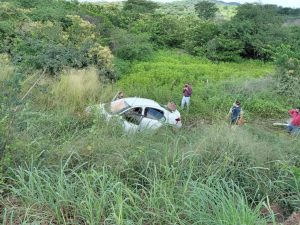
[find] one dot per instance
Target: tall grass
(77, 88)
(202, 175)
(92, 196)
(221, 203)
(7, 69)
(85, 171)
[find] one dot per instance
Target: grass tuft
(77, 88)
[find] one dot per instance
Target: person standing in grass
(186, 98)
(235, 113)
(294, 125)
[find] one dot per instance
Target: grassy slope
(215, 85)
(201, 174)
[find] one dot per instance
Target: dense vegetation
(61, 166)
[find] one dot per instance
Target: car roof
(135, 101)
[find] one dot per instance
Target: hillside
(226, 10)
(63, 162)
(228, 3)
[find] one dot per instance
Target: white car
(138, 114)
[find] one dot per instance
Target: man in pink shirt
(294, 125)
(187, 92)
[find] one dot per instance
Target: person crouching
(294, 125)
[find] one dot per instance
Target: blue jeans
(185, 101)
(293, 129)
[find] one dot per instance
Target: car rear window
(117, 106)
(155, 114)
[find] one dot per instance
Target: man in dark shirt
(235, 112)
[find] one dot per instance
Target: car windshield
(117, 106)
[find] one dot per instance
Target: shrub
(52, 47)
(288, 72)
(198, 35)
(224, 49)
(166, 30)
(130, 46)
(206, 10)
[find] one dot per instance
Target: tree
(11, 19)
(198, 35)
(51, 46)
(134, 10)
(206, 10)
(224, 49)
(259, 28)
(140, 6)
(288, 71)
(130, 46)
(167, 30)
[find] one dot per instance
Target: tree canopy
(206, 10)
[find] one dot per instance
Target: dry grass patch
(77, 88)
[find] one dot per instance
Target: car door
(132, 118)
(153, 118)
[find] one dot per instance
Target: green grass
(167, 66)
(99, 196)
(215, 85)
(7, 68)
(60, 166)
(207, 174)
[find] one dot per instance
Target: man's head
(298, 109)
(237, 102)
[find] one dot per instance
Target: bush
(52, 47)
(288, 72)
(224, 49)
(166, 30)
(130, 46)
(198, 35)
